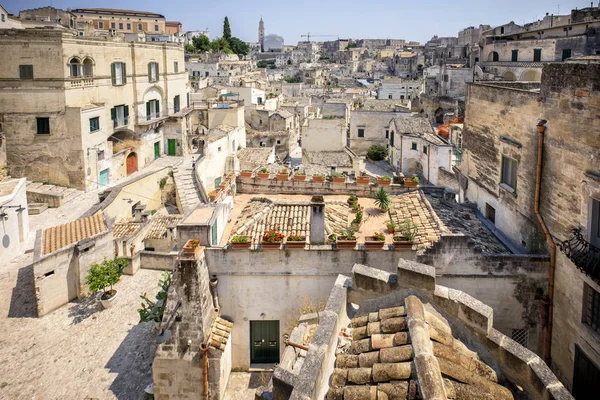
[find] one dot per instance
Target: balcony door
(595, 223)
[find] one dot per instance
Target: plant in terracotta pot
(346, 239)
(300, 176)
(272, 239)
(190, 247)
(363, 180)
(375, 242)
(213, 194)
(246, 173)
(352, 200)
(357, 219)
(264, 173)
(412, 181)
(295, 242)
(318, 178)
(103, 276)
(391, 227)
(338, 177)
(283, 175)
(407, 233)
(384, 180)
(240, 242)
(382, 199)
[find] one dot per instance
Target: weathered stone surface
(393, 325)
(391, 372)
(359, 376)
(346, 361)
(360, 346)
(366, 360)
(393, 312)
(396, 354)
(359, 333)
(360, 393)
(380, 341)
(339, 378)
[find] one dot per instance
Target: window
(414, 146)
(94, 124)
(100, 154)
(509, 173)
(537, 55)
(520, 336)
(155, 28)
(392, 138)
(586, 376)
(361, 132)
(100, 25)
(278, 141)
(120, 25)
(26, 71)
(152, 109)
(118, 73)
(515, 55)
(43, 125)
(445, 77)
(119, 115)
(140, 28)
(3, 18)
(566, 53)
(401, 97)
(152, 72)
(112, 25)
(387, 134)
(175, 66)
(390, 96)
(74, 68)
(502, 30)
(176, 104)
(128, 26)
(88, 67)
(425, 149)
(594, 227)
(260, 121)
(591, 308)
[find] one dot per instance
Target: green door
(172, 146)
(264, 342)
(214, 234)
(103, 181)
(156, 150)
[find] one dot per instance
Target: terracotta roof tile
(61, 236)
(160, 223)
(220, 333)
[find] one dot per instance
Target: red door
(132, 164)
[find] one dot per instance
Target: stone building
(14, 216)
(279, 128)
(46, 15)
(398, 89)
(447, 80)
(108, 21)
(530, 163)
(111, 106)
(404, 65)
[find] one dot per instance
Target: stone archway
(531, 75)
(412, 167)
(131, 163)
(493, 56)
(509, 76)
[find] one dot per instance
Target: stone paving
(78, 351)
(243, 385)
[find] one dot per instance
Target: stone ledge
(475, 314)
(367, 278)
(415, 275)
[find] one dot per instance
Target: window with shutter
(43, 125)
(118, 73)
(25, 71)
(176, 106)
(509, 173)
(152, 72)
(148, 116)
(94, 124)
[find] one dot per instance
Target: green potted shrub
(382, 199)
(338, 177)
(352, 200)
(374, 242)
(272, 239)
(295, 242)
(346, 239)
(213, 194)
(102, 276)
(377, 152)
(318, 178)
(240, 242)
(384, 180)
(357, 220)
(190, 247)
(412, 181)
(300, 176)
(283, 175)
(153, 311)
(391, 227)
(363, 180)
(407, 233)
(263, 173)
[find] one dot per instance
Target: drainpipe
(296, 345)
(428, 161)
(204, 348)
(541, 128)
(213, 290)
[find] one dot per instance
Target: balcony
(82, 82)
(120, 122)
(522, 64)
(585, 256)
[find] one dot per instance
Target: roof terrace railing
(583, 254)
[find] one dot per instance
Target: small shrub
(379, 237)
(352, 199)
(358, 217)
(415, 179)
(338, 174)
(332, 237)
(264, 170)
(347, 234)
(240, 239)
(391, 226)
(272, 236)
(356, 207)
(408, 230)
(162, 182)
(194, 243)
(296, 238)
(386, 178)
(154, 311)
(300, 173)
(104, 275)
(319, 175)
(377, 152)
(382, 199)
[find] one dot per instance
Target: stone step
(36, 208)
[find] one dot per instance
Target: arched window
(88, 67)
(74, 66)
(493, 56)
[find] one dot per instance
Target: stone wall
(447, 179)
(156, 260)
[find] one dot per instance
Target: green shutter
(113, 75)
(124, 74)
(149, 72)
(148, 111)
(113, 114)
(157, 72)
(157, 107)
(126, 111)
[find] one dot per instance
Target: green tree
(377, 152)
(220, 44)
(104, 275)
(226, 29)
(238, 46)
(190, 48)
(201, 43)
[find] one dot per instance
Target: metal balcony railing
(584, 255)
(118, 122)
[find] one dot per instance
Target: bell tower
(261, 34)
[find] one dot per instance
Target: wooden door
(156, 150)
(264, 342)
(172, 147)
(131, 163)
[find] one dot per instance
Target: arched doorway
(493, 56)
(412, 167)
(531, 75)
(509, 76)
(131, 163)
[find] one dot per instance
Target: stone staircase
(41, 196)
(189, 195)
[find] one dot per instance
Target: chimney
(317, 220)
(137, 213)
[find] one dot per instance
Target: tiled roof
(407, 351)
(328, 158)
(413, 126)
(159, 224)
(283, 113)
(288, 217)
(413, 206)
(61, 236)
(221, 330)
(114, 11)
(125, 228)
(253, 157)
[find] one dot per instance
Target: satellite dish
(163, 337)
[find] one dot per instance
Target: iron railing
(584, 255)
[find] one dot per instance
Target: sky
(375, 19)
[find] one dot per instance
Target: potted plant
(338, 177)
(332, 238)
(411, 182)
(213, 194)
(352, 200)
(223, 185)
(103, 276)
(375, 242)
(391, 227)
(240, 242)
(318, 178)
(264, 173)
(246, 174)
(384, 180)
(346, 239)
(300, 176)
(407, 233)
(190, 247)
(363, 180)
(272, 239)
(357, 220)
(382, 199)
(153, 311)
(282, 175)
(295, 242)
